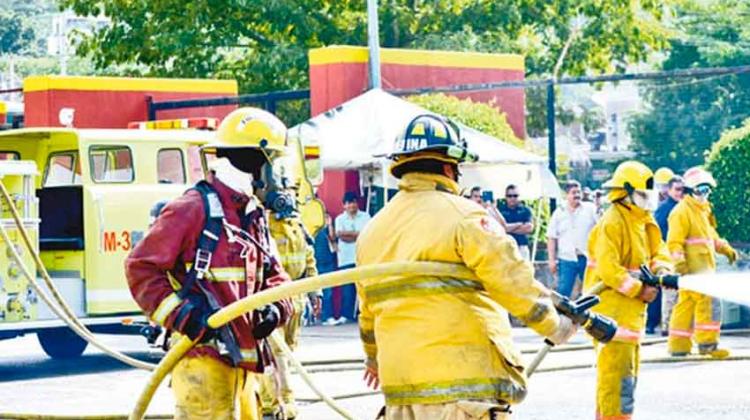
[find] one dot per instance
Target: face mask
(647, 200)
(232, 177)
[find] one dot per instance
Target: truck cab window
(63, 168)
(111, 164)
(170, 166)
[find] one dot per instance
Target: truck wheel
(61, 343)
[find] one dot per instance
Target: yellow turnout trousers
(697, 313)
(617, 374)
(457, 410)
(206, 388)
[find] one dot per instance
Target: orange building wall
(113, 102)
(339, 73)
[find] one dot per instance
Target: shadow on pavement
(36, 367)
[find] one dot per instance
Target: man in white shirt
(348, 225)
(568, 234)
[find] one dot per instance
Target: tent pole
(369, 192)
(537, 231)
(384, 174)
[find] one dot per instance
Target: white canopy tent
(358, 133)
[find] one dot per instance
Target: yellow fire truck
(87, 205)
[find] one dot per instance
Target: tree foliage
(15, 33)
(684, 116)
(483, 117)
(728, 162)
(264, 44)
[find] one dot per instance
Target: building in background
(65, 27)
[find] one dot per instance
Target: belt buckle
(202, 262)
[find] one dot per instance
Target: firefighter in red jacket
(208, 249)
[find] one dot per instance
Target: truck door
(124, 187)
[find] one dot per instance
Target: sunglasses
(511, 195)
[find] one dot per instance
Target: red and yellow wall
(339, 73)
(113, 102)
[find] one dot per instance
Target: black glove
(192, 318)
(266, 320)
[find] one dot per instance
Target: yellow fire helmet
(629, 177)
(696, 176)
(663, 175)
(251, 128)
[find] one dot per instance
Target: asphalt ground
(30, 382)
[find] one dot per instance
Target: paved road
(95, 384)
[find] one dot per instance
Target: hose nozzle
(670, 281)
(600, 327)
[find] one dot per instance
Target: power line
(660, 75)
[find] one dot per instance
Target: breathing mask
(646, 199)
(232, 177)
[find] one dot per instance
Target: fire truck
(85, 196)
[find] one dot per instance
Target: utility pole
(576, 28)
(373, 43)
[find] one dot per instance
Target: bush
(477, 115)
(729, 162)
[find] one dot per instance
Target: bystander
(518, 221)
(659, 310)
(348, 225)
(325, 261)
(567, 238)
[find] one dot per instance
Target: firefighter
(441, 347)
(661, 181)
(298, 259)
(210, 248)
(693, 242)
(625, 238)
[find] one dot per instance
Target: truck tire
(61, 343)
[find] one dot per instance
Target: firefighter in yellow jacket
(441, 347)
(625, 238)
(693, 243)
(298, 259)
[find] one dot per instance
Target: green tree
(264, 43)
(15, 33)
(480, 116)
(728, 162)
(684, 116)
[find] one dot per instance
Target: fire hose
(57, 304)
(59, 307)
(63, 311)
(599, 327)
(226, 314)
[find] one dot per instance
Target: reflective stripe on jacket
(441, 339)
